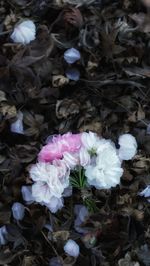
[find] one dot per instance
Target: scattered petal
(72, 55)
(3, 235)
(27, 194)
(18, 211)
(17, 126)
(146, 192)
(72, 248)
(128, 147)
(24, 32)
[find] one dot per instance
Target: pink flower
(66, 143)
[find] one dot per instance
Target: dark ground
(111, 97)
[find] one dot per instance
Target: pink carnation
(54, 150)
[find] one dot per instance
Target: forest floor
(111, 96)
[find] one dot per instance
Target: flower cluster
(63, 155)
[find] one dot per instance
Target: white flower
(18, 211)
(145, 192)
(128, 147)
(24, 32)
(107, 171)
(90, 141)
(17, 126)
(71, 55)
(72, 248)
(84, 157)
(41, 192)
(71, 159)
(50, 182)
(63, 172)
(52, 175)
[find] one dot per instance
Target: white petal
(71, 55)
(17, 126)
(90, 140)
(145, 192)
(27, 194)
(84, 157)
(83, 213)
(127, 153)
(24, 32)
(55, 204)
(41, 192)
(70, 159)
(72, 248)
(128, 147)
(3, 235)
(18, 211)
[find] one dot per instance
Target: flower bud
(18, 211)
(24, 32)
(72, 55)
(72, 248)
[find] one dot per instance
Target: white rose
(50, 175)
(128, 147)
(107, 171)
(24, 32)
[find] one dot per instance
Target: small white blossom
(18, 211)
(72, 55)
(107, 171)
(72, 248)
(17, 126)
(128, 147)
(24, 32)
(90, 141)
